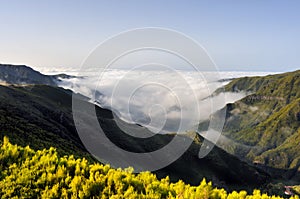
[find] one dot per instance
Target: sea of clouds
(161, 100)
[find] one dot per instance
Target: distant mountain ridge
(21, 74)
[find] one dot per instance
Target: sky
(239, 35)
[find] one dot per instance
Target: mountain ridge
(25, 75)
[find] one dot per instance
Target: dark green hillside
(40, 116)
(267, 121)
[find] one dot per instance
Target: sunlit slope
(25, 173)
(266, 122)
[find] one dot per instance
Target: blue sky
(239, 35)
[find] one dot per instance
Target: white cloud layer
(163, 101)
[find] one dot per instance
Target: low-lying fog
(162, 101)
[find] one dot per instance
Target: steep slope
(41, 116)
(266, 123)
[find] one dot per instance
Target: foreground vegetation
(26, 173)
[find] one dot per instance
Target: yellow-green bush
(26, 173)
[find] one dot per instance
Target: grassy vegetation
(267, 120)
(26, 173)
